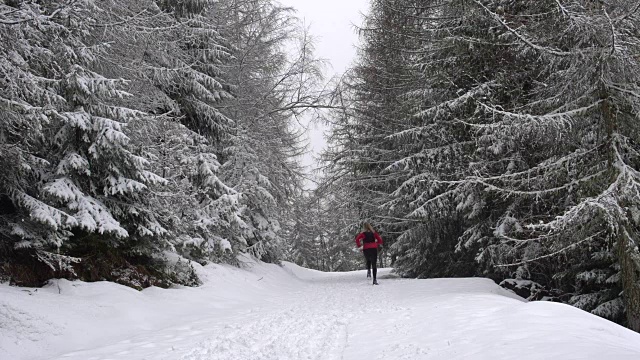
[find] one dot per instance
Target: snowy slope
(271, 312)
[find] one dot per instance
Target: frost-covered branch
(571, 246)
(521, 37)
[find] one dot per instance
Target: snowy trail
(294, 313)
(308, 323)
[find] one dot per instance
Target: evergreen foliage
(500, 139)
(136, 129)
(481, 138)
(320, 232)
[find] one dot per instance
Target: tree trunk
(630, 281)
(630, 269)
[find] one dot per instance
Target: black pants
(371, 255)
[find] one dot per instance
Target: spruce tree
(259, 155)
(28, 102)
(515, 143)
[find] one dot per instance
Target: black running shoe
(375, 282)
(368, 274)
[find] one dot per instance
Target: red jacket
(373, 245)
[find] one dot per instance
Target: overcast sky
(331, 24)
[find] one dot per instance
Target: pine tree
(84, 184)
(259, 156)
(300, 232)
(28, 103)
(520, 148)
(320, 233)
(553, 136)
(177, 61)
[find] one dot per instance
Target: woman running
(371, 240)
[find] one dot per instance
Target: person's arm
(358, 238)
(378, 238)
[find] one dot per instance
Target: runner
(371, 240)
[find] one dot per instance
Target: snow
(270, 312)
(89, 213)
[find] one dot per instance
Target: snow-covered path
(294, 313)
(309, 321)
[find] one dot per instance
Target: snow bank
(473, 319)
(64, 316)
(270, 312)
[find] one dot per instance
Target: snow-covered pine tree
(320, 232)
(88, 188)
(585, 99)
(220, 205)
(97, 177)
(458, 59)
(259, 157)
(200, 213)
(179, 57)
(338, 223)
(299, 231)
(28, 101)
(522, 144)
(83, 70)
(379, 97)
(549, 141)
(191, 76)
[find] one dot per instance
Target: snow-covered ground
(271, 312)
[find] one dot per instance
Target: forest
(481, 138)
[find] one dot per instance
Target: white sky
(331, 23)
